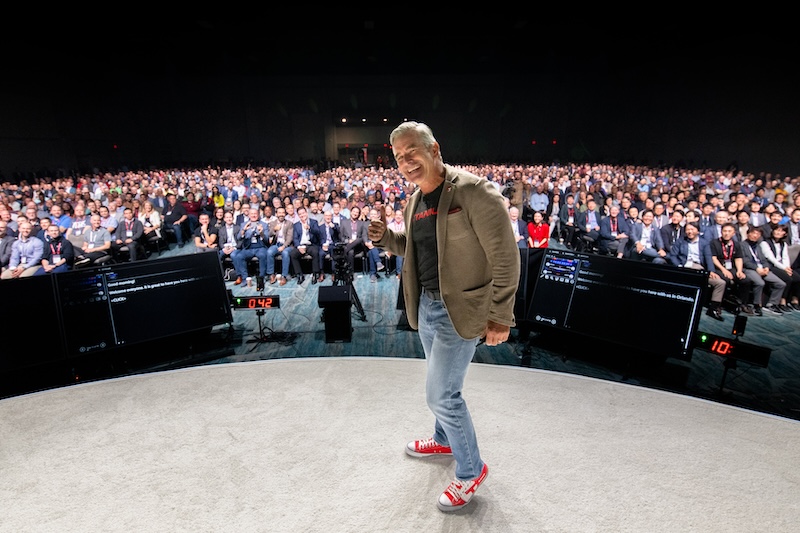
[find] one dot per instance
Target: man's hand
(495, 333)
(376, 230)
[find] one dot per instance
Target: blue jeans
(374, 255)
(448, 357)
(272, 251)
(241, 257)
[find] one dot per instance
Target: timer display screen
(733, 348)
(256, 302)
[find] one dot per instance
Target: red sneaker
(427, 448)
(460, 492)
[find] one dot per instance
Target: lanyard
(727, 250)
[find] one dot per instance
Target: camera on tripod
(341, 266)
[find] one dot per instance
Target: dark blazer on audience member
(636, 235)
(605, 227)
(523, 231)
(313, 233)
(222, 236)
(679, 253)
(346, 231)
(669, 235)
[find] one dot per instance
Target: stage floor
(316, 444)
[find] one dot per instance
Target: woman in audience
(776, 250)
(151, 220)
(538, 231)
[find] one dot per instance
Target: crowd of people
(742, 228)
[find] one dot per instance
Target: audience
(551, 198)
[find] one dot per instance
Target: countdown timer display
(733, 348)
(256, 302)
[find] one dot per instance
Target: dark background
(264, 85)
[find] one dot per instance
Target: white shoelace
(456, 489)
(428, 443)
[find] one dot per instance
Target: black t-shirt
(198, 232)
(173, 213)
(424, 239)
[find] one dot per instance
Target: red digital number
(721, 347)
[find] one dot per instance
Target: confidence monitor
(118, 305)
(649, 308)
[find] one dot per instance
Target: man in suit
(128, 233)
(354, 234)
(453, 306)
(281, 233)
(691, 251)
(588, 225)
(253, 236)
(672, 232)
(714, 230)
(645, 242)
(306, 239)
(519, 227)
(567, 220)
(329, 236)
(228, 238)
(613, 233)
(757, 218)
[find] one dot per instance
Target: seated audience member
(793, 237)
(173, 218)
(645, 242)
(129, 233)
(96, 243)
(691, 251)
(397, 224)
(613, 233)
(306, 240)
(742, 223)
(6, 243)
(567, 220)
(193, 209)
(58, 254)
(59, 218)
(757, 218)
(80, 222)
(714, 230)
(773, 220)
(354, 234)
(538, 231)
(107, 220)
(758, 271)
(26, 254)
(151, 221)
(218, 218)
(253, 236)
(281, 234)
(776, 251)
(228, 237)
(373, 252)
(519, 227)
(729, 264)
(39, 230)
(553, 214)
(588, 225)
(329, 236)
(205, 235)
(672, 231)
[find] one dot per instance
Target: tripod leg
(354, 299)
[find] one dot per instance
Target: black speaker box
(335, 301)
(334, 294)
